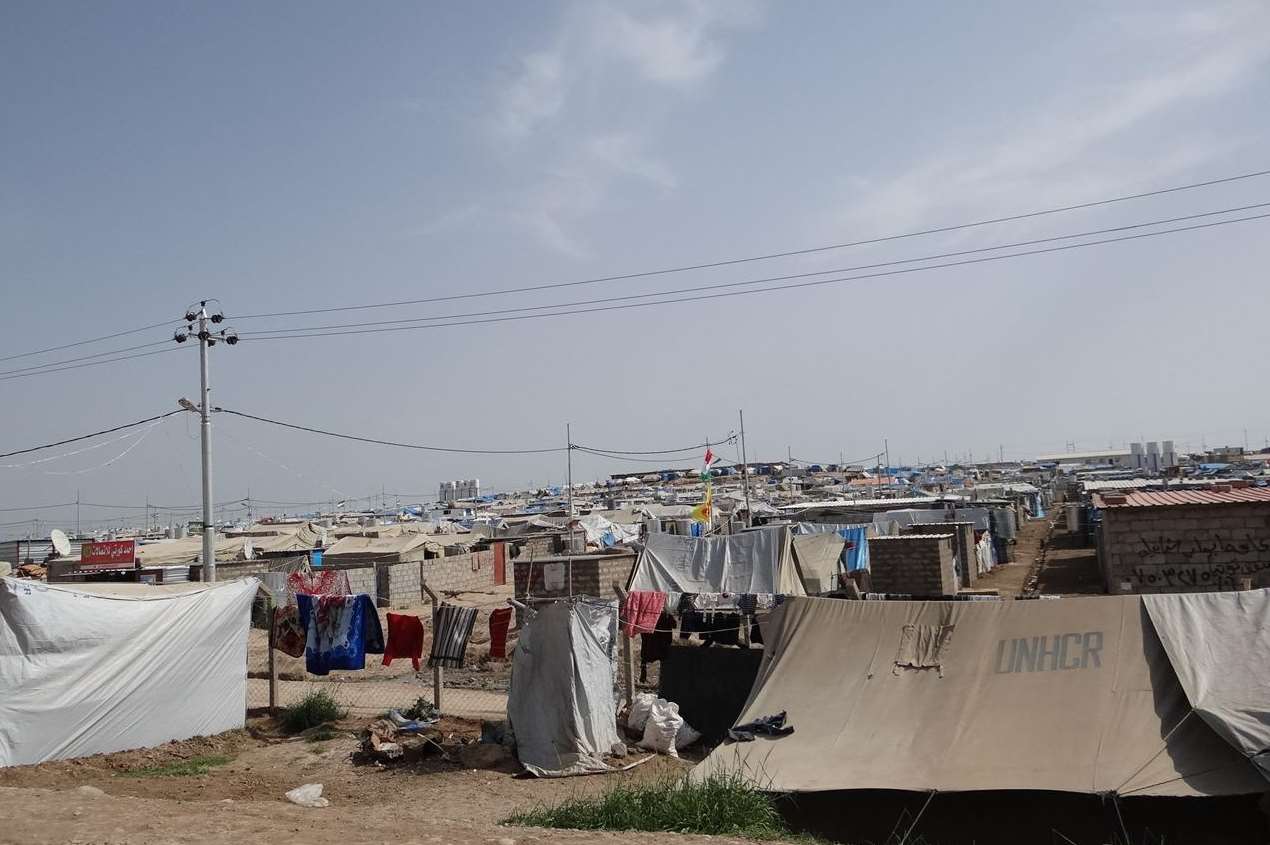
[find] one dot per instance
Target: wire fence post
(273, 662)
(438, 680)
(628, 652)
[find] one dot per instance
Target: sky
(291, 156)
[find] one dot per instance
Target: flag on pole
(702, 512)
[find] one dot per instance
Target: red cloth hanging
(500, 620)
(405, 639)
(640, 611)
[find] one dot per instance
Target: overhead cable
(816, 283)
(94, 434)
(722, 285)
(784, 254)
(84, 357)
(88, 341)
(94, 363)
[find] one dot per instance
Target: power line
(94, 434)
(83, 358)
(718, 286)
(785, 254)
(88, 341)
(379, 442)
(818, 283)
(91, 364)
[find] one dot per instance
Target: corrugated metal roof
(1164, 498)
(1102, 484)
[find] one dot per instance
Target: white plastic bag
(663, 724)
(309, 795)
(641, 704)
(686, 736)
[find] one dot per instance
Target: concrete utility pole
(745, 474)
(206, 340)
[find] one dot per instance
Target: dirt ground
(243, 802)
(1010, 579)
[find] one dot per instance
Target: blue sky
(291, 156)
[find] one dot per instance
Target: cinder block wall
(593, 575)
(963, 534)
(921, 564)
(472, 571)
(1184, 548)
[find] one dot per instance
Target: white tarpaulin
(757, 561)
(562, 706)
(89, 671)
(1218, 643)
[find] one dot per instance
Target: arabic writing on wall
(1212, 575)
(1211, 544)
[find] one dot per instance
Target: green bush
(721, 804)
(316, 708)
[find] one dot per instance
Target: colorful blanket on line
(339, 631)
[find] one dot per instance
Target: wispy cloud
(557, 104)
(1092, 130)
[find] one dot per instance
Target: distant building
(458, 491)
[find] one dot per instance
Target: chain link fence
(477, 690)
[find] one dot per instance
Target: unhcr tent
(759, 561)
(93, 668)
(1077, 695)
(563, 705)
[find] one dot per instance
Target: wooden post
(273, 662)
(438, 680)
(628, 653)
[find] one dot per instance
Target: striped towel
(450, 633)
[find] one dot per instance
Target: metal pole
(77, 531)
(205, 415)
(568, 436)
(745, 474)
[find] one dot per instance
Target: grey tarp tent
(562, 706)
(1075, 695)
(759, 561)
(1218, 644)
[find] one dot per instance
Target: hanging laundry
(690, 622)
(288, 633)
(324, 582)
(405, 639)
(339, 631)
(721, 629)
(451, 630)
(640, 611)
(747, 604)
(500, 620)
(686, 603)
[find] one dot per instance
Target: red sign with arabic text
(109, 553)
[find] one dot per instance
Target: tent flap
(1217, 643)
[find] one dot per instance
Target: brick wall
(472, 571)
(921, 564)
(1185, 548)
(593, 575)
(963, 534)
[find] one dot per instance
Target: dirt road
(242, 802)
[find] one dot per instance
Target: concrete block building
(1176, 541)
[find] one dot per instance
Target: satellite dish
(61, 544)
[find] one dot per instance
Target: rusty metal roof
(1165, 498)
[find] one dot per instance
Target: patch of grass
(316, 708)
(721, 804)
(421, 709)
(192, 767)
(321, 733)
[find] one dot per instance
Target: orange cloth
(640, 611)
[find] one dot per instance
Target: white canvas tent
(1077, 695)
(759, 561)
(88, 669)
(563, 706)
